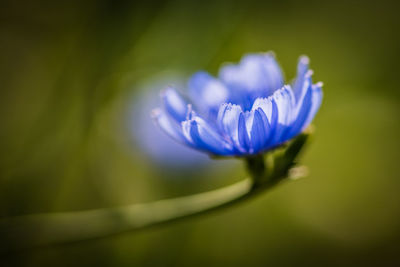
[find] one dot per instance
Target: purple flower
(245, 111)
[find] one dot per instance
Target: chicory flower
(247, 110)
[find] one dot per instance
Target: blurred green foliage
(69, 71)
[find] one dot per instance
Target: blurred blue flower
(159, 148)
(246, 110)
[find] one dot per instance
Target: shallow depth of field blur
(72, 78)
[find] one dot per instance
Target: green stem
(257, 169)
(54, 228)
(37, 230)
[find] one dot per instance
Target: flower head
(245, 111)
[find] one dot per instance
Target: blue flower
(247, 110)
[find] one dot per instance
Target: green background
(69, 71)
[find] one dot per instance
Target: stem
(257, 169)
(45, 229)
(37, 230)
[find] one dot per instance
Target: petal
(302, 70)
(303, 105)
(257, 74)
(228, 121)
(204, 137)
(260, 131)
(207, 91)
(284, 100)
(301, 111)
(269, 108)
(315, 103)
(170, 127)
(174, 104)
(308, 109)
(243, 137)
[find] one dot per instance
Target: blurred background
(78, 79)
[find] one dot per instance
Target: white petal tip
(309, 73)
(270, 54)
(304, 60)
